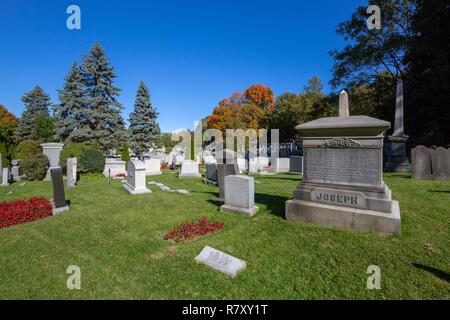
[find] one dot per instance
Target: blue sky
(191, 54)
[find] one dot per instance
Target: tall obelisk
(397, 159)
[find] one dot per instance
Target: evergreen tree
(36, 103)
(72, 115)
(143, 126)
(105, 121)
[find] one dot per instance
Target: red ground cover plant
(190, 230)
(21, 211)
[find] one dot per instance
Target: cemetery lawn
(117, 241)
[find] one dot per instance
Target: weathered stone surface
(116, 166)
(59, 197)
(440, 164)
(5, 177)
(282, 165)
(189, 169)
(71, 172)
(242, 164)
(221, 261)
(343, 183)
(343, 104)
(239, 195)
(224, 170)
(136, 178)
(152, 167)
(421, 163)
(296, 165)
(253, 165)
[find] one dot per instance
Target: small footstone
(183, 191)
(221, 261)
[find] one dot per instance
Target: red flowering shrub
(190, 230)
(21, 211)
(121, 175)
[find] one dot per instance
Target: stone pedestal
(343, 176)
(52, 151)
(240, 195)
(189, 169)
(136, 178)
(398, 160)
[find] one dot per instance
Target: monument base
(207, 181)
(243, 211)
(404, 166)
(131, 190)
(60, 210)
(190, 175)
(398, 161)
(344, 217)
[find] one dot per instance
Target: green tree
(36, 103)
(72, 114)
(44, 129)
(288, 113)
(105, 121)
(143, 126)
(125, 153)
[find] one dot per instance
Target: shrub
(92, 161)
(92, 176)
(73, 150)
(27, 149)
(125, 153)
(21, 211)
(35, 167)
(190, 230)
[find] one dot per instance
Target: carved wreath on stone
(342, 143)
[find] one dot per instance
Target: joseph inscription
(362, 166)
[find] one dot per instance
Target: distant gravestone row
(427, 164)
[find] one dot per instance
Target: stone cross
(343, 104)
(398, 125)
(59, 197)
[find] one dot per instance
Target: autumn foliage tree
(260, 95)
(8, 124)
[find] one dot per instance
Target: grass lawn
(117, 241)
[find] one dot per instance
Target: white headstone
(136, 178)
(253, 165)
(240, 195)
(282, 165)
(71, 172)
(221, 261)
(263, 163)
(152, 167)
(5, 177)
(117, 166)
(242, 164)
(189, 169)
(52, 151)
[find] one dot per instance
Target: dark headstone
(421, 163)
(296, 165)
(211, 173)
(440, 164)
(224, 170)
(59, 198)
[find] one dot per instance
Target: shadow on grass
(436, 272)
(275, 204)
(440, 191)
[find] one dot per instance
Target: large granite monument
(398, 160)
(343, 175)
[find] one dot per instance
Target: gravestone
(136, 178)
(71, 172)
(421, 163)
(224, 170)
(263, 163)
(253, 165)
(240, 195)
(117, 166)
(152, 167)
(296, 165)
(220, 261)
(282, 165)
(16, 171)
(242, 164)
(343, 176)
(211, 173)
(189, 169)
(440, 164)
(398, 160)
(59, 199)
(52, 151)
(5, 177)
